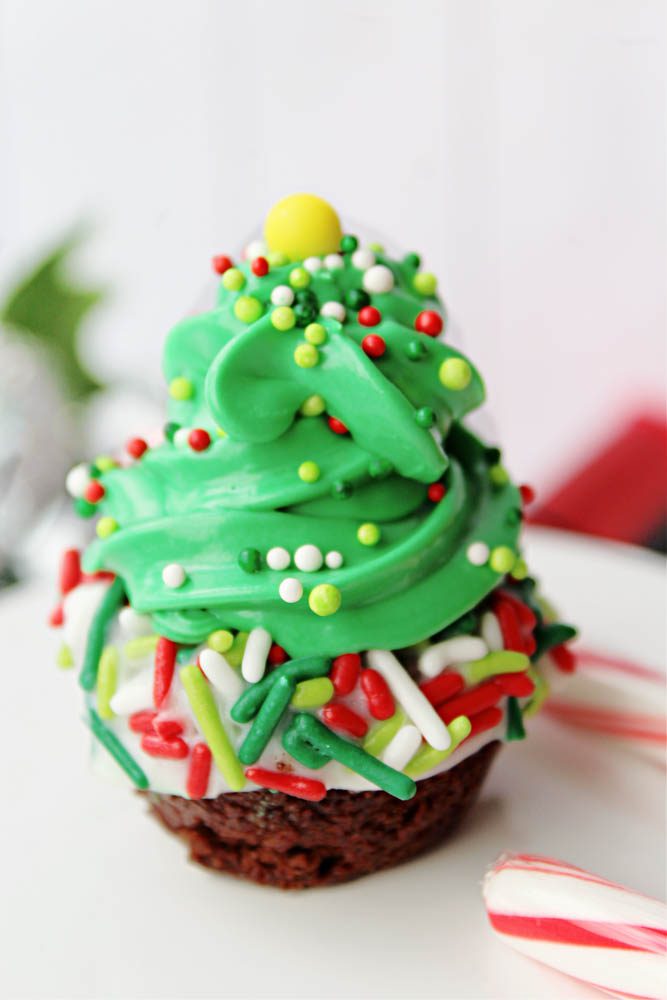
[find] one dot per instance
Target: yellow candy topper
(303, 225)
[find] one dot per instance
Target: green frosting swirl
(202, 510)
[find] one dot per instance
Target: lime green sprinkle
(498, 475)
(540, 694)
(206, 713)
(234, 654)
(455, 374)
(112, 744)
(313, 693)
(376, 247)
(247, 308)
(423, 282)
(368, 534)
(143, 645)
(520, 569)
(64, 658)
(502, 661)
(219, 431)
(427, 758)
(277, 258)
(233, 279)
(324, 599)
(299, 278)
(107, 679)
(220, 640)
(181, 388)
(106, 526)
(315, 334)
(309, 472)
(313, 406)
(105, 463)
(382, 733)
(502, 559)
(283, 318)
(306, 355)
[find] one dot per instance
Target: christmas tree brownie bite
(305, 626)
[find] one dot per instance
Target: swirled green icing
(202, 509)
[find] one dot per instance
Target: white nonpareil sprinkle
(491, 633)
(459, 649)
(133, 624)
(257, 248)
(278, 558)
(282, 295)
(333, 559)
(406, 692)
(223, 677)
(134, 695)
(77, 479)
(308, 558)
(256, 651)
(336, 310)
(173, 575)
(363, 259)
(333, 262)
(181, 436)
(312, 264)
(378, 279)
(402, 748)
(478, 553)
(290, 590)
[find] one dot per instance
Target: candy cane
(594, 930)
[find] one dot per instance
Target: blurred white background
(519, 145)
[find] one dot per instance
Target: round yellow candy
(302, 225)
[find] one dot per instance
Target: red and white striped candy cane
(594, 930)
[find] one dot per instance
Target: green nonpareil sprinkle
(206, 713)
(427, 758)
(112, 744)
(266, 720)
(107, 680)
(111, 601)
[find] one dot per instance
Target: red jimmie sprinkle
(168, 728)
(57, 616)
(525, 614)
(345, 672)
(94, 491)
(518, 685)
(155, 746)
(199, 439)
(527, 494)
(436, 492)
(379, 697)
(509, 626)
(337, 426)
(70, 571)
(369, 316)
(136, 447)
(442, 687)
(199, 770)
(373, 345)
(487, 719)
(165, 659)
(221, 263)
(277, 655)
(291, 784)
(471, 702)
(429, 322)
(564, 659)
(142, 722)
(345, 720)
(260, 266)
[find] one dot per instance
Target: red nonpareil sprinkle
(527, 494)
(168, 728)
(155, 746)
(379, 697)
(142, 722)
(57, 616)
(564, 659)
(277, 655)
(471, 702)
(222, 263)
(487, 719)
(518, 685)
(508, 621)
(369, 316)
(199, 770)
(343, 719)
(291, 784)
(436, 492)
(525, 614)
(373, 345)
(165, 659)
(94, 491)
(337, 426)
(70, 571)
(344, 673)
(136, 447)
(442, 687)
(429, 322)
(199, 439)
(260, 266)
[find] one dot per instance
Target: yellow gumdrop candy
(302, 225)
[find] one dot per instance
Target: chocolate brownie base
(279, 840)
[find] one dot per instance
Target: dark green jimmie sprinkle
(515, 729)
(302, 751)
(266, 720)
(246, 707)
(112, 744)
(97, 633)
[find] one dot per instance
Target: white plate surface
(97, 901)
